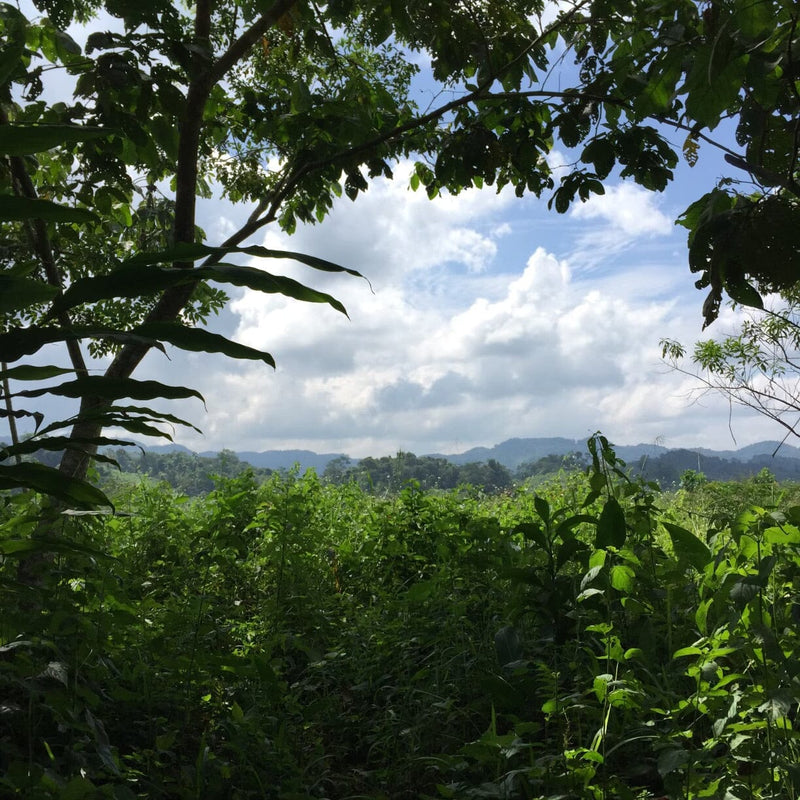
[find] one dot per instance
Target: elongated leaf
(611, 531)
(113, 389)
(50, 481)
(48, 544)
(121, 417)
(135, 281)
(30, 372)
(17, 293)
(20, 140)
(124, 412)
(21, 342)
(19, 413)
(21, 208)
(688, 547)
(57, 443)
(193, 252)
(199, 340)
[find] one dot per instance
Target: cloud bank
(470, 334)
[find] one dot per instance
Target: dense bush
(294, 639)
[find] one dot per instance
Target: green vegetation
(298, 639)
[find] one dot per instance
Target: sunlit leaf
(688, 548)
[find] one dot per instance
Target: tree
(694, 66)
(757, 368)
(287, 105)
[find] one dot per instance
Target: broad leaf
(17, 293)
(611, 529)
(22, 208)
(50, 481)
(688, 547)
(20, 140)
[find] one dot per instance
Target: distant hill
(755, 450)
(514, 452)
(662, 463)
(285, 459)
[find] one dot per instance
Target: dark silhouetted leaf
(22, 208)
(20, 140)
(611, 531)
(51, 482)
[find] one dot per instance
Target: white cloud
(608, 225)
(627, 209)
(449, 352)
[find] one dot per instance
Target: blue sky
(492, 317)
(489, 317)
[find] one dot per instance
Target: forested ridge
(194, 474)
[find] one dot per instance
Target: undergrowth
(291, 640)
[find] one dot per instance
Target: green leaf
(611, 529)
(567, 550)
(692, 650)
(532, 532)
(20, 140)
(622, 577)
(50, 481)
(17, 293)
(30, 372)
(744, 294)
(113, 389)
(58, 443)
(199, 340)
(134, 281)
(713, 84)
(22, 208)
(193, 252)
(542, 508)
(48, 544)
(21, 342)
(688, 548)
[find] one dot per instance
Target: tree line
(194, 475)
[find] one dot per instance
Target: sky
(485, 317)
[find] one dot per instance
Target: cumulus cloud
(472, 335)
(626, 216)
(627, 209)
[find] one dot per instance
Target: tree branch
(36, 231)
(249, 39)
